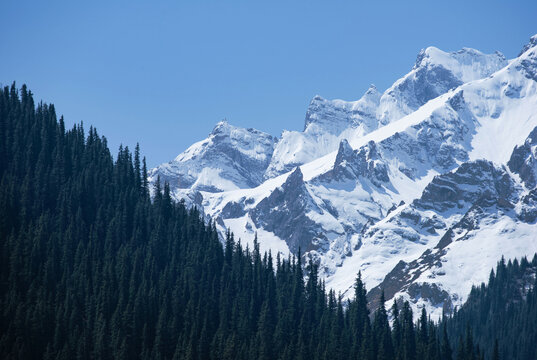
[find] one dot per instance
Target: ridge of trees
(92, 267)
(503, 313)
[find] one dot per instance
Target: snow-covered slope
(434, 73)
(230, 158)
(483, 119)
(420, 183)
(327, 123)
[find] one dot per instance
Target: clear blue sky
(162, 73)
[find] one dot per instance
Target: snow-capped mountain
(230, 158)
(434, 73)
(327, 123)
(422, 188)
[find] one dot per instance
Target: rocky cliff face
(285, 213)
(524, 160)
(230, 158)
(435, 73)
(327, 123)
(422, 188)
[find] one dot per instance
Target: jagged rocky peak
(335, 116)
(284, 212)
(435, 73)
(372, 92)
(221, 127)
(528, 62)
(326, 123)
(523, 160)
(344, 153)
(364, 162)
(366, 108)
(471, 182)
(241, 136)
(230, 158)
(223, 130)
(294, 180)
(466, 64)
(249, 142)
(330, 116)
(370, 100)
(529, 45)
(314, 108)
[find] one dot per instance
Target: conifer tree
(496, 351)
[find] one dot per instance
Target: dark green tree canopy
(91, 267)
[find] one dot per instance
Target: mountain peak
(225, 129)
(372, 93)
(470, 63)
(529, 45)
(221, 127)
(344, 152)
(333, 189)
(296, 177)
(326, 115)
(317, 97)
(426, 53)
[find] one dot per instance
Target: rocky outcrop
(285, 211)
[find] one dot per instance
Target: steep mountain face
(330, 121)
(463, 219)
(230, 158)
(335, 116)
(524, 160)
(284, 213)
(435, 73)
(434, 248)
(422, 188)
(327, 123)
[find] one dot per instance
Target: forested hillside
(505, 311)
(91, 267)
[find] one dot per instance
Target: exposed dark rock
(529, 66)
(233, 210)
(404, 275)
(471, 181)
(528, 213)
(433, 293)
(350, 164)
(241, 155)
(523, 160)
(529, 45)
(284, 214)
